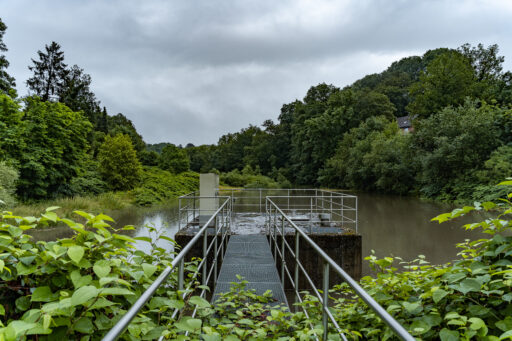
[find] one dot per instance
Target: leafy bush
(470, 299)
(250, 178)
(119, 165)
(159, 186)
(174, 159)
(78, 288)
(8, 177)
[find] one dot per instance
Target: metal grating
(250, 257)
(247, 248)
(247, 259)
(252, 273)
(248, 238)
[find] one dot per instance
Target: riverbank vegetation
(77, 288)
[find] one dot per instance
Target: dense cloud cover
(190, 71)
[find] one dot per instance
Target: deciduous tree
(119, 165)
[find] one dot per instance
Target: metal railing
(277, 222)
(221, 222)
(314, 204)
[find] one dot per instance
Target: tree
(452, 144)
(53, 147)
(485, 61)
(7, 83)
(120, 124)
(119, 165)
(174, 159)
(50, 73)
(77, 95)
(449, 78)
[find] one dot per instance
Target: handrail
(123, 323)
(272, 208)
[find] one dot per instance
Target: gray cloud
(189, 71)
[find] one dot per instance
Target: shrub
(119, 165)
(8, 178)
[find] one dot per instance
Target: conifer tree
(6, 82)
(49, 73)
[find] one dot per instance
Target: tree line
(459, 102)
(58, 141)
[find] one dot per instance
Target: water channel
(390, 225)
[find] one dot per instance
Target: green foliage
(373, 156)
(78, 288)
(249, 178)
(469, 299)
(52, 148)
(119, 165)
(8, 177)
(448, 79)
(452, 144)
(174, 159)
(158, 186)
(120, 124)
(149, 158)
(88, 181)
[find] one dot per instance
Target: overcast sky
(190, 71)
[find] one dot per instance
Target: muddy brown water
(390, 225)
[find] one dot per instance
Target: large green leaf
(76, 253)
(84, 294)
(84, 325)
(101, 268)
(42, 294)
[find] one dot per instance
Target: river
(390, 225)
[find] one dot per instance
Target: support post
(181, 266)
(205, 256)
(325, 303)
(296, 274)
(283, 262)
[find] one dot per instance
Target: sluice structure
(282, 240)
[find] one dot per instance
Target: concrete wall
(344, 249)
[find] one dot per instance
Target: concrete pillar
(208, 187)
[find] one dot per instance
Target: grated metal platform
(250, 257)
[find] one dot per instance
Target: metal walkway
(250, 257)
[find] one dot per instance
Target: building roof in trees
(404, 122)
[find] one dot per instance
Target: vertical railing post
(325, 302)
(296, 274)
(181, 266)
(342, 213)
(356, 215)
(205, 256)
(330, 210)
(310, 215)
(275, 235)
(260, 201)
(288, 201)
(283, 261)
(194, 208)
(215, 247)
(179, 214)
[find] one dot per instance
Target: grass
(102, 203)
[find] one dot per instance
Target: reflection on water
(390, 225)
(162, 218)
(401, 226)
